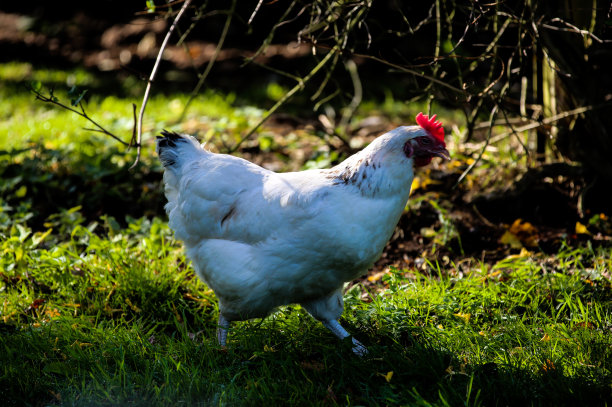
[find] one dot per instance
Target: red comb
(432, 126)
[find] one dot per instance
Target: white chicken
(262, 239)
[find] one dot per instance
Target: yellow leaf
(519, 226)
(377, 276)
(416, 184)
(71, 304)
(464, 317)
(548, 366)
(81, 344)
(188, 296)
(18, 253)
(132, 306)
(21, 192)
(388, 376)
(429, 233)
(40, 236)
(545, 338)
(525, 232)
(581, 229)
(524, 253)
(510, 239)
(52, 313)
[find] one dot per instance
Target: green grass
(117, 317)
(100, 308)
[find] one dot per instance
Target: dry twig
(151, 79)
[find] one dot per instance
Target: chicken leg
(358, 348)
(222, 328)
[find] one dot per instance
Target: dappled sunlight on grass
(99, 313)
(98, 305)
(23, 120)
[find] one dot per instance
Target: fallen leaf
(520, 233)
(52, 313)
(524, 253)
(548, 366)
(377, 276)
(202, 301)
(388, 376)
(581, 229)
(464, 317)
(34, 305)
(511, 239)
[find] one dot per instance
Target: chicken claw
(358, 348)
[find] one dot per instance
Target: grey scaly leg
(358, 348)
(222, 328)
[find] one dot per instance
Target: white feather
(262, 239)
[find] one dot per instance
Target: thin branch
(277, 71)
(212, 61)
(255, 12)
(270, 36)
(572, 28)
(545, 122)
(82, 113)
(150, 81)
(412, 72)
(349, 111)
(133, 139)
(300, 85)
(484, 147)
(325, 81)
(518, 138)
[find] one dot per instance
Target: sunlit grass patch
(101, 308)
(101, 314)
(24, 120)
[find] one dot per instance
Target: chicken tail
(176, 149)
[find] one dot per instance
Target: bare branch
(83, 113)
(150, 81)
(255, 12)
(485, 144)
(212, 61)
(572, 28)
(300, 85)
(536, 124)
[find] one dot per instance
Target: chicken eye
(425, 140)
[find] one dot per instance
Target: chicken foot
(358, 348)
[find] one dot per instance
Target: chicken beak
(442, 153)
